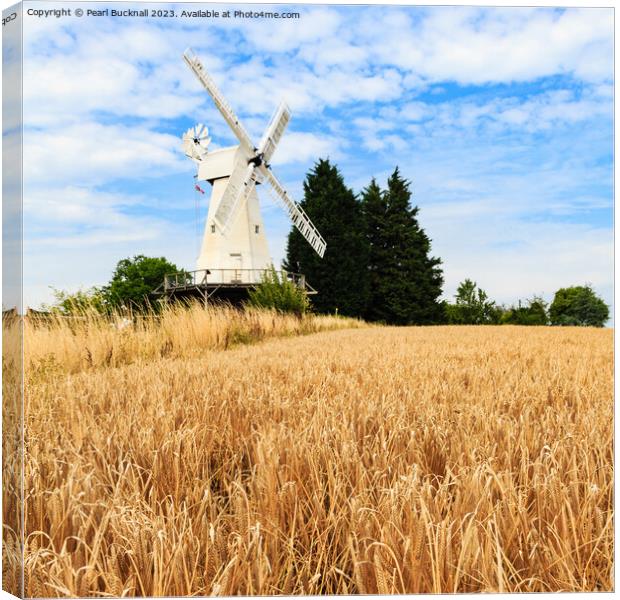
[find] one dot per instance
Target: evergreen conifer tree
(374, 207)
(340, 277)
(405, 281)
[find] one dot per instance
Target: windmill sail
(296, 213)
(274, 132)
(193, 62)
(240, 184)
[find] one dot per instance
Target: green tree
(340, 277)
(374, 205)
(278, 292)
(405, 282)
(134, 281)
(578, 305)
(472, 306)
(78, 303)
(532, 313)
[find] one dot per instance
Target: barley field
(357, 460)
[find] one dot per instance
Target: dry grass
(78, 343)
(360, 461)
(12, 455)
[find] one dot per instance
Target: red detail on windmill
(199, 189)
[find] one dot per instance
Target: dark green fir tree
(405, 281)
(374, 208)
(340, 277)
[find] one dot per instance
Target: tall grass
(71, 344)
(12, 454)
(376, 460)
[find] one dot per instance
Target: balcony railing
(229, 277)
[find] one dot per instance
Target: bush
(78, 303)
(534, 313)
(278, 292)
(472, 306)
(578, 305)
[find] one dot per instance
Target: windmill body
(234, 247)
(242, 253)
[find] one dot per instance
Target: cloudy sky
(501, 119)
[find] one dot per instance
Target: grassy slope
(359, 461)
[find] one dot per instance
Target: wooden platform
(221, 285)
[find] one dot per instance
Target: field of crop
(360, 460)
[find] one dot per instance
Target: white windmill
(234, 246)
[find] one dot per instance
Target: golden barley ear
(113, 584)
(380, 576)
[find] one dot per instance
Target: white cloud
(335, 51)
(301, 147)
(140, 72)
(539, 111)
(66, 207)
(70, 90)
(92, 153)
(253, 88)
(477, 46)
(286, 35)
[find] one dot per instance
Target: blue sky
(500, 117)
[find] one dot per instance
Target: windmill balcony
(224, 277)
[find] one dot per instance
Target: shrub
(77, 303)
(276, 291)
(533, 313)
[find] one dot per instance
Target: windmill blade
(240, 184)
(193, 62)
(201, 131)
(196, 143)
(274, 132)
(297, 214)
